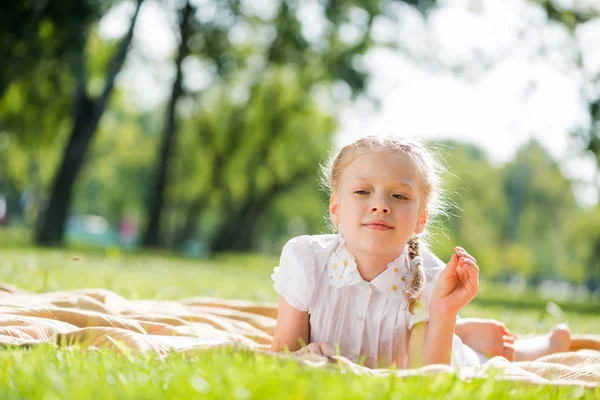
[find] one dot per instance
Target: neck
(370, 264)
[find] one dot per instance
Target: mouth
(378, 225)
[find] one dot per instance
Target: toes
(508, 352)
(505, 330)
(508, 339)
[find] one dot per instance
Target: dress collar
(393, 281)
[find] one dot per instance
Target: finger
(469, 277)
(463, 253)
(463, 275)
(471, 264)
(450, 268)
(326, 349)
(313, 348)
(473, 270)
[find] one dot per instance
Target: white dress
(369, 321)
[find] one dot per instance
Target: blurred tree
(86, 115)
(516, 219)
(477, 205)
(575, 16)
(156, 195)
(41, 37)
(240, 39)
(38, 42)
(584, 234)
(122, 153)
(248, 156)
(541, 203)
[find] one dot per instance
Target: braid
(417, 282)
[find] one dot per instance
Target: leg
(486, 336)
(491, 338)
(590, 342)
(558, 340)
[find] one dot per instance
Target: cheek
(410, 213)
(353, 209)
(349, 216)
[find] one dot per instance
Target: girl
(372, 289)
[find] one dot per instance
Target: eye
(400, 197)
(361, 192)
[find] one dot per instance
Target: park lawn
(45, 372)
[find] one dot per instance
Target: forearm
(438, 338)
(292, 328)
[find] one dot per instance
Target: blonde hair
(429, 170)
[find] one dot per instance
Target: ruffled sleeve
(295, 277)
(433, 267)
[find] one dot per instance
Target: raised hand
(457, 284)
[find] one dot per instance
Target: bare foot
(487, 336)
(558, 340)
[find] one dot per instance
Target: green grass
(47, 373)
(51, 374)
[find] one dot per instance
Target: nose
(380, 206)
(383, 209)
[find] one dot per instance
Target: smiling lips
(378, 225)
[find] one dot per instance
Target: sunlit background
(201, 131)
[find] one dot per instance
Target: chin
(379, 246)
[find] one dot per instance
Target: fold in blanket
(98, 318)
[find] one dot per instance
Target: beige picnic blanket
(98, 318)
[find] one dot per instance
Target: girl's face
(379, 203)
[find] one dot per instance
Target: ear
(334, 208)
(422, 221)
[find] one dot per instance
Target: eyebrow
(398, 182)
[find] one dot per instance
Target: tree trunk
(229, 237)
(238, 232)
(50, 231)
(51, 223)
(157, 192)
(188, 230)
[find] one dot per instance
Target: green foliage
(38, 44)
(574, 16)
(541, 202)
(515, 218)
(114, 180)
(38, 39)
(478, 203)
(248, 152)
(247, 157)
